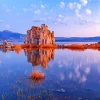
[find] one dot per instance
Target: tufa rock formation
(40, 35)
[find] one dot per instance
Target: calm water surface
(69, 75)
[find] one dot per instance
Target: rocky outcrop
(7, 44)
(40, 35)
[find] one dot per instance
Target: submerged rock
(60, 90)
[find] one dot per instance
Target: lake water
(69, 75)
(76, 42)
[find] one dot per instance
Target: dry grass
(76, 47)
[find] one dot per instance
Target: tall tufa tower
(39, 35)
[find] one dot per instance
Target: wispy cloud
(77, 13)
(78, 6)
(62, 4)
(74, 5)
(88, 11)
(7, 9)
(42, 6)
(27, 9)
(60, 16)
(37, 11)
(71, 5)
(84, 2)
(58, 19)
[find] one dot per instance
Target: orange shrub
(25, 45)
(18, 47)
(47, 46)
(75, 46)
(37, 75)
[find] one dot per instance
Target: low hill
(78, 39)
(8, 35)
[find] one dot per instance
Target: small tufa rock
(60, 90)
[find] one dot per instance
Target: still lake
(69, 75)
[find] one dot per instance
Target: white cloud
(27, 9)
(60, 16)
(77, 13)
(59, 19)
(78, 6)
(42, 6)
(62, 4)
(74, 5)
(84, 2)
(71, 6)
(37, 11)
(88, 11)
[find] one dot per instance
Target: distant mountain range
(8, 35)
(78, 39)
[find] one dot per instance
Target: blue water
(75, 42)
(69, 75)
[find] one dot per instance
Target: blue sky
(68, 18)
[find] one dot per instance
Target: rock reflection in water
(5, 50)
(39, 56)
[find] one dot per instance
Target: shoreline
(95, 46)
